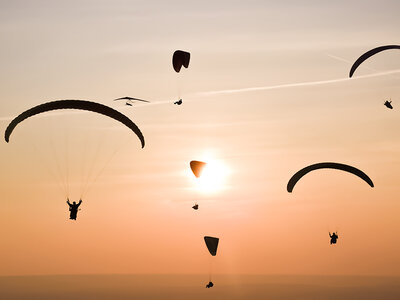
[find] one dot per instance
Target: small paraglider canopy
(179, 102)
(197, 167)
(327, 165)
(388, 104)
(179, 59)
(212, 244)
(368, 54)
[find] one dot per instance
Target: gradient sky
(136, 216)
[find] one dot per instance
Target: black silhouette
(179, 59)
(368, 54)
(388, 104)
(179, 102)
(212, 244)
(333, 237)
(74, 104)
(210, 285)
(130, 100)
(73, 208)
(327, 165)
(195, 207)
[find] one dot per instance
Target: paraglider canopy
(179, 59)
(327, 165)
(368, 54)
(197, 167)
(212, 244)
(74, 104)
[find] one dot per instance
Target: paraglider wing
(131, 99)
(74, 104)
(179, 59)
(327, 165)
(368, 54)
(212, 244)
(197, 167)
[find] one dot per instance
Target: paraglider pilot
(179, 102)
(73, 208)
(388, 104)
(333, 237)
(209, 285)
(195, 207)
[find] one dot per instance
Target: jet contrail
(298, 84)
(260, 88)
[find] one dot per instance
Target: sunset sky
(266, 94)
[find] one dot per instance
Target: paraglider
(327, 165)
(74, 104)
(130, 100)
(368, 54)
(73, 209)
(388, 104)
(179, 59)
(179, 102)
(333, 237)
(212, 246)
(197, 168)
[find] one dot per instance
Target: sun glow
(213, 177)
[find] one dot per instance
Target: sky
(266, 94)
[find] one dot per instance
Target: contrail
(339, 58)
(260, 88)
(298, 84)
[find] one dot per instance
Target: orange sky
(136, 216)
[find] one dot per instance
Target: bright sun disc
(212, 177)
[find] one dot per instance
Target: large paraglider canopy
(368, 54)
(74, 104)
(197, 167)
(212, 244)
(179, 59)
(327, 165)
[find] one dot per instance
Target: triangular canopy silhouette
(212, 244)
(197, 167)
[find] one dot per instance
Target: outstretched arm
(68, 202)
(80, 202)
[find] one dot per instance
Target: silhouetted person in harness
(73, 208)
(388, 104)
(334, 237)
(210, 285)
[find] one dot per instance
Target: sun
(213, 176)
